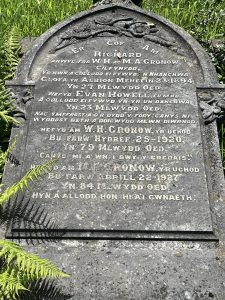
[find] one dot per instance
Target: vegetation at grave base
(18, 268)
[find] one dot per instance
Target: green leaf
(29, 264)
(29, 177)
(10, 285)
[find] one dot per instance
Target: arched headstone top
(131, 23)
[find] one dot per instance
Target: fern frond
(10, 285)
(29, 177)
(10, 50)
(6, 115)
(4, 155)
(6, 106)
(4, 96)
(8, 119)
(32, 266)
(9, 58)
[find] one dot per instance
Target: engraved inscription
(125, 127)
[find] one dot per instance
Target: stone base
(137, 270)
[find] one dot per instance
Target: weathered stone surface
(106, 2)
(27, 43)
(139, 270)
(128, 102)
(128, 152)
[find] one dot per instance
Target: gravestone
(127, 103)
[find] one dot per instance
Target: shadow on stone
(26, 219)
(44, 290)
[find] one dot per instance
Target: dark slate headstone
(128, 103)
